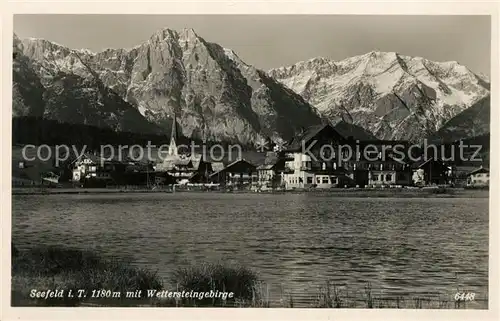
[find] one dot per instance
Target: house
(96, 168)
(201, 170)
(379, 163)
(430, 172)
(268, 172)
(459, 174)
(192, 168)
(136, 173)
(239, 173)
(312, 160)
(380, 170)
(479, 177)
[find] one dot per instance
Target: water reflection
(298, 241)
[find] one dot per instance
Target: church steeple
(172, 148)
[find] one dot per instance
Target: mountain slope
(391, 95)
(70, 98)
(472, 122)
(27, 90)
(214, 94)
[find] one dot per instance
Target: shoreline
(88, 270)
(335, 192)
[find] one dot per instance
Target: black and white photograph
(251, 161)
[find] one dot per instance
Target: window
(381, 177)
(323, 166)
(309, 180)
(318, 180)
(325, 180)
(333, 180)
(388, 178)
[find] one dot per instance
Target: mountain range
(215, 95)
(391, 95)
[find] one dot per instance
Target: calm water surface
(417, 247)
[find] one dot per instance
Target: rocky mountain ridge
(214, 94)
(391, 95)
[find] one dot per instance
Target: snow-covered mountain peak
(386, 90)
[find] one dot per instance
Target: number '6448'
(469, 296)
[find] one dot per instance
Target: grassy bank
(59, 268)
(68, 269)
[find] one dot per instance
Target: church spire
(172, 148)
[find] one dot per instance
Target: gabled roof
(422, 163)
(354, 132)
(479, 170)
(233, 164)
(265, 166)
(309, 134)
(389, 157)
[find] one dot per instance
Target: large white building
(304, 169)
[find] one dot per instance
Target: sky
(271, 41)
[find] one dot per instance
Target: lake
(425, 247)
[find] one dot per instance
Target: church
(184, 168)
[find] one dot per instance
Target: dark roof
(423, 162)
(269, 161)
(266, 166)
(479, 170)
(236, 162)
(354, 132)
(464, 169)
(308, 134)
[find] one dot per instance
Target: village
(289, 168)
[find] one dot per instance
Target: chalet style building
(479, 177)
(311, 160)
(375, 164)
(322, 158)
(267, 173)
(96, 168)
(239, 174)
(430, 172)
